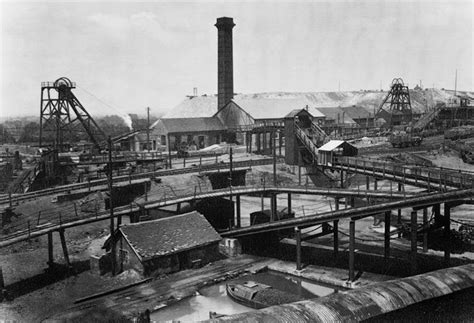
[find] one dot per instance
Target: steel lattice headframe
(63, 118)
(396, 107)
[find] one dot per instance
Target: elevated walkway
(433, 178)
(71, 216)
(415, 202)
(307, 142)
(426, 119)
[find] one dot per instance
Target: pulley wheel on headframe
(63, 82)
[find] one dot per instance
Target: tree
(30, 133)
(5, 135)
(113, 125)
(139, 123)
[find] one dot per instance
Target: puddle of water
(215, 299)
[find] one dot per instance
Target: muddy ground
(40, 293)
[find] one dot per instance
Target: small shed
(329, 152)
(166, 245)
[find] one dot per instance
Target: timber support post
(437, 214)
(351, 250)
(273, 207)
(170, 165)
(237, 201)
(63, 244)
(426, 227)
(50, 249)
(336, 238)
(299, 174)
(289, 204)
(413, 234)
(387, 236)
(298, 248)
(447, 233)
(399, 214)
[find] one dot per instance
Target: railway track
(15, 199)
(54, 221)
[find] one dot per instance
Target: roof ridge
(161, 219)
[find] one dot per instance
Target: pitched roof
(194, 107)
(125, 136)
(332, 114)
(296, 112)
(274, 108)
(169, 235)
(206, 106)
(357, 112)
(331, 145)
(174, 125)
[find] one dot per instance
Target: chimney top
(225, 23)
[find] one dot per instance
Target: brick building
(166, 245)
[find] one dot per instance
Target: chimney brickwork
(225, 77)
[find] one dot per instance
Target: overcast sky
(125, 56)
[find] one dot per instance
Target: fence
(445, 179)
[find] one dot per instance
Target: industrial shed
(336, 115)
(166, 245)
(273, 110)
(235, 117)
(134, 141)
(360, 115)
(329, 152)
(201, 132)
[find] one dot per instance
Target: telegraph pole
(148, 128)
(111, 206)
(274, 158)
(230, 165)
(230, 184)
(455, 82)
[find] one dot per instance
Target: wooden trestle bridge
(442, 186)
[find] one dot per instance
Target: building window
(201, 142)
(163, 140)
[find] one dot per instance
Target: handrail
(307, 142)
(443, 177)
(318, 129)
(123, 178)
(165, 195)
(424, 120)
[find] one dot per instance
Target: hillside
(205, 106)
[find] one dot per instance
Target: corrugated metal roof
(169, 235)
(366, 302)
(331, 145)
(177, 125)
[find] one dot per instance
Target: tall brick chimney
(225, 77)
